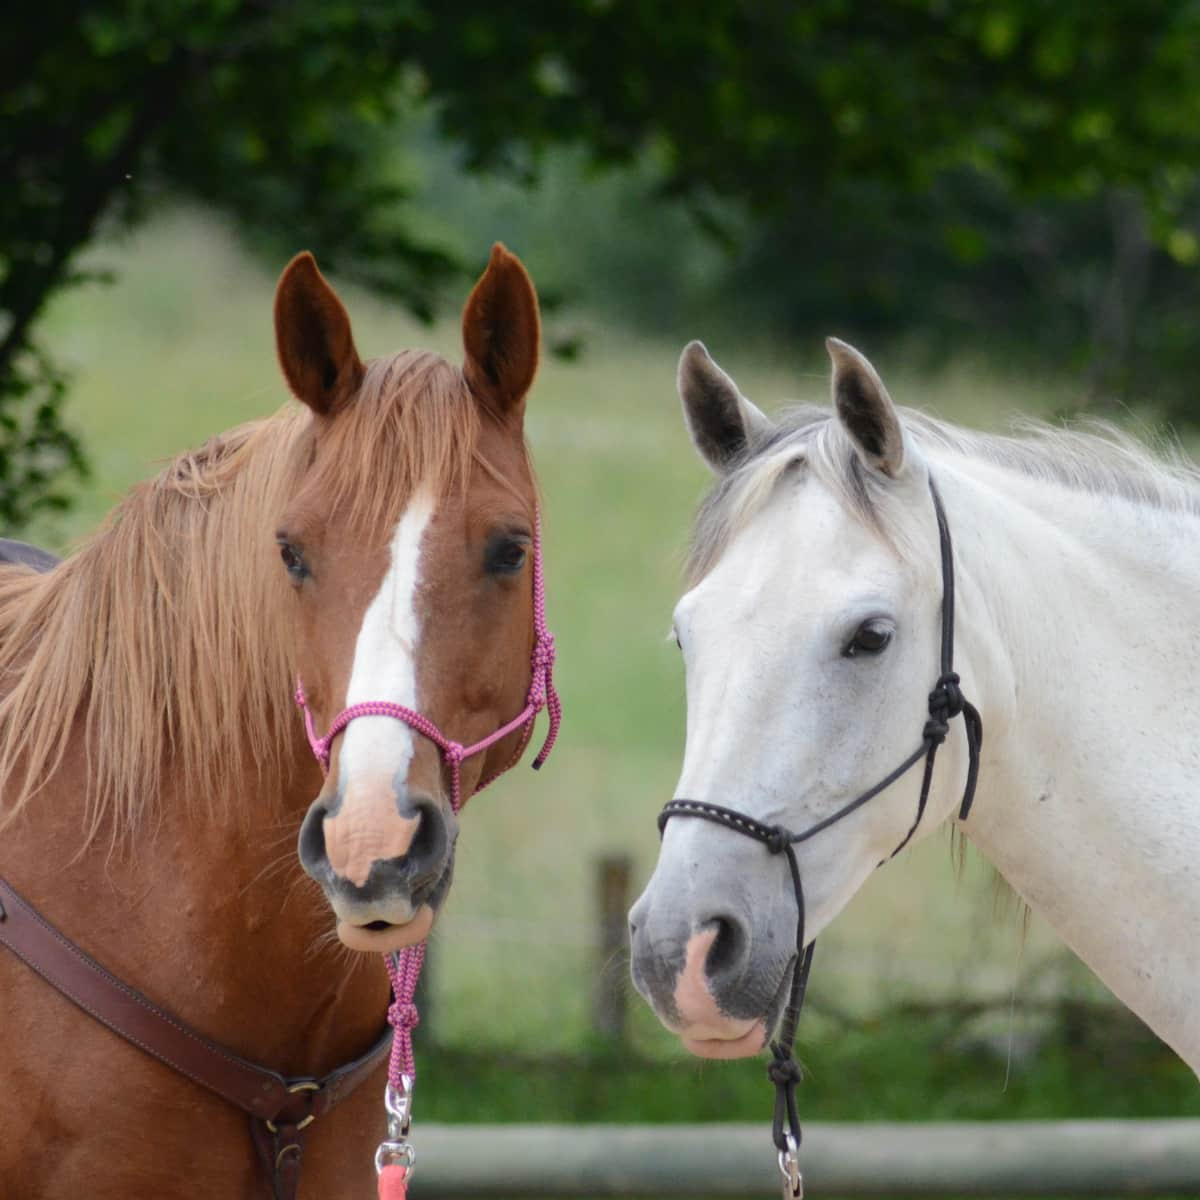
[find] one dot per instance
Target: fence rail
(994, 1159)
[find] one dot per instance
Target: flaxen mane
(165, 638)
(1100, 459)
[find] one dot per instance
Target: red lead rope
(393, 1183)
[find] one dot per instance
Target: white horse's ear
(720, 419)
(866, 410)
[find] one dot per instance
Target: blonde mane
(163, 643)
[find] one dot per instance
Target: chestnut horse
(155, 772)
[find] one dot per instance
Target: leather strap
(280, 1108)
(26, 555)
(280, 1151)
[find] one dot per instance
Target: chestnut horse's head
(409, 547)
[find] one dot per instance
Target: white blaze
(385, 654)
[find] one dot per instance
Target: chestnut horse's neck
(171, 799)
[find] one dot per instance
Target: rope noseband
(946, 702)
(542, 694)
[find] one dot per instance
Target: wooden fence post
(612, 896)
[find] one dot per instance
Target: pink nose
(694, 1001)
(704, 1028)
(367, 828)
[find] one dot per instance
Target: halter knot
(935, 731)
(455, 753)
(403, 1016)
(784, 1072)
(543, 666)
(543, 652)
(946, 700)
(321, 750)
(778, 840)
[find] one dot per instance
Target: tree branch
(79, 219)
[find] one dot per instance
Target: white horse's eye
(871, 637)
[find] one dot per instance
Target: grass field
(182, 347)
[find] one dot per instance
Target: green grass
(182, 347)
(913, 1067)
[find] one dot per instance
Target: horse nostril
(427, 852)
(727, 953)
(311, 845)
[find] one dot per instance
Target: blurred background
(998, 201)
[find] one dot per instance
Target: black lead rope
(946, 702)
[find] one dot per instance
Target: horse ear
(501, 335)
(721, 421)
(313, 339)
(866, 410)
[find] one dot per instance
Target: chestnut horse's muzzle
(379, 862)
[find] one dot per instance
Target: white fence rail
(992, 1159)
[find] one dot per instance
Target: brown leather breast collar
(280, 1109)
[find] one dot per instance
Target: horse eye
(504, 556)
(292, 561)
(871, 637)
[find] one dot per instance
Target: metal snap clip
(398, 1102)
(789, 1168)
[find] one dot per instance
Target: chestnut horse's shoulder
(27, 555)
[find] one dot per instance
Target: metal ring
(286, 1150)
(302, 1125)
(305, 1085)
(395, 1154)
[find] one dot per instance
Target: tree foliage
(287, 115)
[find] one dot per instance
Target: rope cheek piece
(946, 702)
(395, 1155)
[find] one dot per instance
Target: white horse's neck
(1078, 637)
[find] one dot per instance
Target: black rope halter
(946, 702)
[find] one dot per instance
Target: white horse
(811, 638)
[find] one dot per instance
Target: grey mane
(1099, 459)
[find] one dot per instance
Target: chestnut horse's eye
(871, 637)
(504, 555)
(292, 560)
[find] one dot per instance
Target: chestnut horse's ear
(313, 339)
(501, 335)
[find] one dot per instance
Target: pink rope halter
(542, 694)
(404, 968)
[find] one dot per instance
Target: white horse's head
(811, 639)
